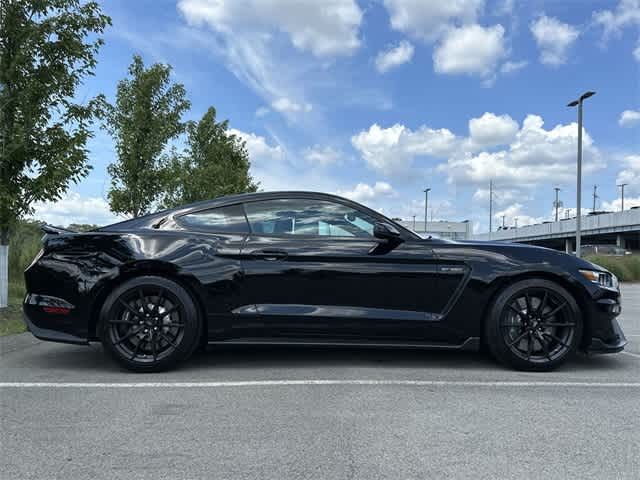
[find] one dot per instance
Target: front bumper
(614, 344)
(606, 335)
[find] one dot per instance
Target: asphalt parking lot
(67, 412)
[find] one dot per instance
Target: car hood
(522, 251)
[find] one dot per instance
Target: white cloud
(74, 208)
(428, 20)
(366, 193)
(529, 155)
(260, 152)
(252, 37)
(505, 7)
(512, 67)
(554, 39)
(394, 56)
(627, 13)
(262, 111)
(470, 49)
(321, 156)
(323, 28)
(629, 118)
(438, 210)
(501, 196)
(513, 212)
(616, 205)
(533, 157)
(286, 105)
(490, 130)
(630, 174)
(636, 53)
(391, 151)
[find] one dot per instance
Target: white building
(442, 229)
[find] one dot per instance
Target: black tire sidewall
(495, 340)
(192, 321)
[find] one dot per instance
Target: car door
(313, 268)
(216, 236)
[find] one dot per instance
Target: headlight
(604, 279)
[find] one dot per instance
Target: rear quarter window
(229, 219)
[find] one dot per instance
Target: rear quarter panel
(82, 269)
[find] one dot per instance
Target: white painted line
(631, 354)
(281, 383)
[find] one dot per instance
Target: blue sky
(377, 99)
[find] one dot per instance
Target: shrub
(24, 244)
(626, 268)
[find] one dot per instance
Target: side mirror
(386, 231)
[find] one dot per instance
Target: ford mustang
(311, 269)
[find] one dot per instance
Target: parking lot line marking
(632, 354)
(280, 383)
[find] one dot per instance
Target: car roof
(152, 219)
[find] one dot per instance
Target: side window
(229, 219)
(308, 217)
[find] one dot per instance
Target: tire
(151, 335)
(533, 325)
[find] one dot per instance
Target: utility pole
(516, 222)
(490, 208)
(595, 197)
(579, 103)
(414, 223)
(426, 206)
(622, 185)
(503, 217)
(557, 204)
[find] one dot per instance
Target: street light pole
(490, 208)
(414, 223)
(579, 103)
(426, 206)
(622, 185)
(595, 197)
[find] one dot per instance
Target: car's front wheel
(534, 325)
(149, 324)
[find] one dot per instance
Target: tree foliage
(147, 114)
(214, 163)
(47, 48)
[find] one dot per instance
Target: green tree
(82, 227)
(147, 114)
(47, 48)
(214, 163)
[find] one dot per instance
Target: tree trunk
(4, 269)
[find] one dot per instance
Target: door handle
(270, 255)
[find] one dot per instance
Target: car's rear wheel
(149, 324)
(534, 325)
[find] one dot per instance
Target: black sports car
(311, 269)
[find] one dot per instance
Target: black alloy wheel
(150, 324)
(534, 325)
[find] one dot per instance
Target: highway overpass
(619, 228)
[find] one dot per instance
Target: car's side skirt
(338, 311)
(471, 343)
